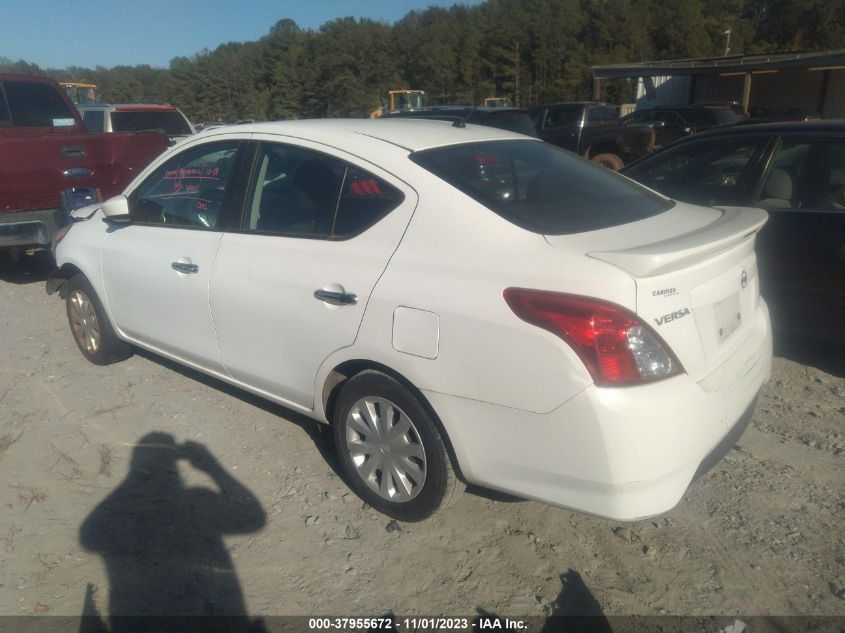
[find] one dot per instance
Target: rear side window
(37, 105)
(299, 192)
(94, 120)
(170, 122)
(541, 188)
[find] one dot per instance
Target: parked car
(502, 117)
(673, 122)
(592, 129)
(796, 171)
(464, 300)
(135, 117)
(48, 161)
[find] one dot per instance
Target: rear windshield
(170, 122)
(541, 188)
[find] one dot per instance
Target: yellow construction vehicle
(497, 102)
(80, 93)
(401, 100)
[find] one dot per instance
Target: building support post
(596, 88)
(746, 92)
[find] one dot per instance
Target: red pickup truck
(48, 159)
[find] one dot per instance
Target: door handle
(73, 151)
(336, 298)
(182, 267)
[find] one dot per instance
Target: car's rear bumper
(625, 453)
(29, 228)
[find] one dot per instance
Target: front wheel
(390, 449)
(90, 325)
(611, 161)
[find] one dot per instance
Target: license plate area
(727, 316)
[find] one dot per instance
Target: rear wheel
(90, 326)
(390, 449)
(611, 161)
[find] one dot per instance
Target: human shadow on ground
(162, 541)
(320, 434)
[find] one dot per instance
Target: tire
(419, 479)
(611, 161)
(90, 326)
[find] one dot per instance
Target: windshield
(541, 188)
(171, 122)
(513, 120)
(410, 101)
(712, 116)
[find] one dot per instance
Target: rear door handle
(336, 298)
(182, 267)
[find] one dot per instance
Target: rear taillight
(616, 347)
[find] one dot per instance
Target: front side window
(37, 105)
(669, 118)
(639, 117)
(701, 173)
(188, 190)
(301, 193)
(541, 188)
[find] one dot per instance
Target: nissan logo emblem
(743, 279)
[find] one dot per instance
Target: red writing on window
(365, 187)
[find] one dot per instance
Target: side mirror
(116, 209)
(658, 124)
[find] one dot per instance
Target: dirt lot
(762, 533)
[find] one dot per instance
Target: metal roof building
(810, 83)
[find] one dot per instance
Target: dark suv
(673, 122)
(796, 171)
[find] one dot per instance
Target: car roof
(32, 79)
(828, 126)
(581, 103)
(139, 106)
(409, 133)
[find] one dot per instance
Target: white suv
(451, 300)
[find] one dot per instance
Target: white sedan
(460, 304)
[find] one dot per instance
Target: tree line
(531, 51)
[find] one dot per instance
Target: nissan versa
(451, 299)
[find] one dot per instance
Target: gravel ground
(253, 505)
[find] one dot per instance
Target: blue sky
(88, 33)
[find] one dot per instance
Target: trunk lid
(696, 276)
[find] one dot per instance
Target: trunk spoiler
(735, 225)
